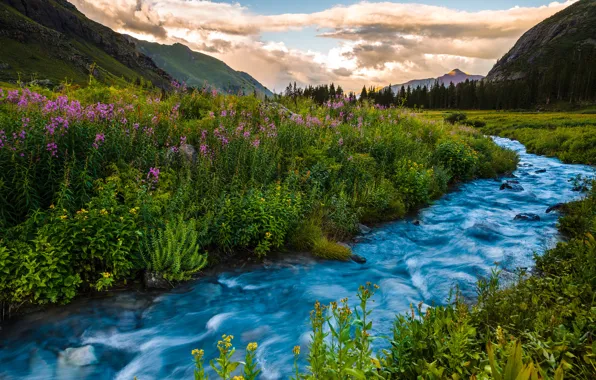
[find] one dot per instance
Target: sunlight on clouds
(377, 42)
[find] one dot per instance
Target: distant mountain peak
(455, 72)
(455, 76)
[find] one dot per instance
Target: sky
(351, 43)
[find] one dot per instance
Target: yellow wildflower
(133, 211)
(63, 217)
(267, 235)
(198, 354)
(296, 350)
(52, 206)
(375, 362)
(238, 378)
(252, 346)
(106, 275)
(103, 211)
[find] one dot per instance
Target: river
(460, 237)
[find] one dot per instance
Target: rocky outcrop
(563, 34)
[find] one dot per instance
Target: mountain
(196, 68)
(52, 40)
(565, 41)
(454, 76)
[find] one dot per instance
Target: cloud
(376, 42)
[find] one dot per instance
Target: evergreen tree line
(570, 79)
(566, 79)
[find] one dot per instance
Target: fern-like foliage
(174, 251)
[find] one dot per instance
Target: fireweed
(249, 174)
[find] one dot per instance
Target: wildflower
(106, 275)
(252, 346)
(153, 174)
(256, 143)
(296, 350)
(103, 212)
(375, 362)
(52, 206)
(238, 378)
(134, 210)
(341, 142)
(267, 235)
(52, 148)
(63, 217)
(99, 139)
(198, 354)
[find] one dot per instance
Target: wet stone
(556, 207)
(358, 259)
(527, 216)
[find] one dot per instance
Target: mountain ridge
(53, 40)
(559, 37)
(196, 69)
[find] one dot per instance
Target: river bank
(459, 238)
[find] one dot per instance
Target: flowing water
(459, 238)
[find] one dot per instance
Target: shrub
(455, 117)
(457, 157)
(412, 180)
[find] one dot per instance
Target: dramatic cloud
(376, 43)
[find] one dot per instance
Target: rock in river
(557, 207)
(79, 356)
(358, 259)
(154, 280)
(527, 216)
(364, 229)
(511, 185)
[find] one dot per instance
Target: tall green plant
(174, 251)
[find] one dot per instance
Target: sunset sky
(320, 41)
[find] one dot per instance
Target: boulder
(358, 259)
(557, 207)
(154, 280)
(416, 222)
(540, 171)
(364, 229)
(189, 152)
(511, 185)
(79, 356)
(527, 216)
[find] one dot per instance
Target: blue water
(460, 238)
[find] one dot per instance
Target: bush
(457, 157)
(455, 117)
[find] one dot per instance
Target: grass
(569, 136)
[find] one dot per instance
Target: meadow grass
(569, 136)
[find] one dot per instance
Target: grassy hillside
(51, 40)
(196, 68)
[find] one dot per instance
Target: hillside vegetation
(51, 41)
(196, 69)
